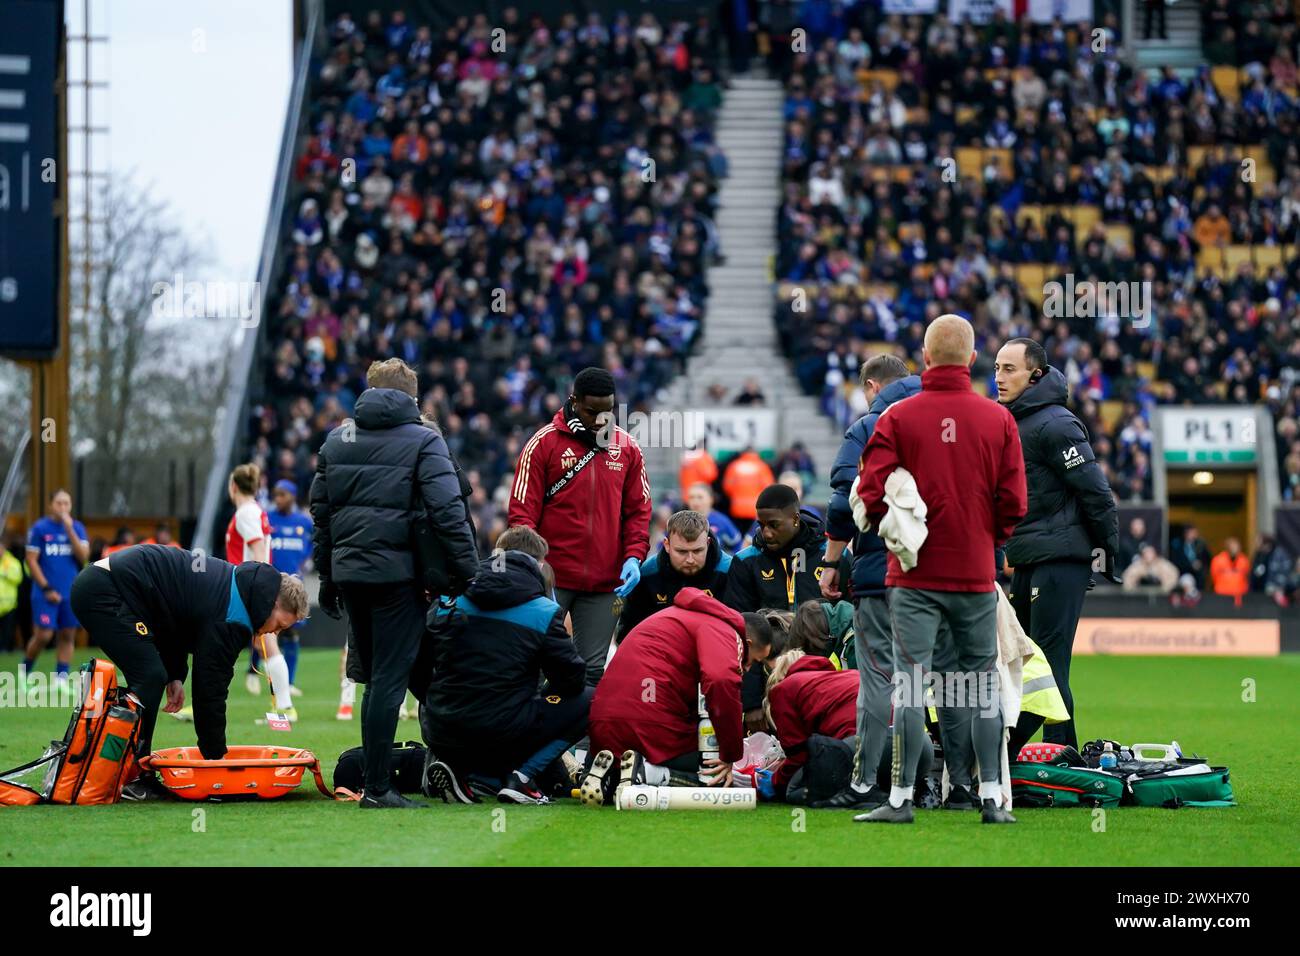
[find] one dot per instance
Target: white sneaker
(294, 691)
(253, 683)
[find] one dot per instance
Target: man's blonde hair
(949, 340)
(393, 373)
(293, 596)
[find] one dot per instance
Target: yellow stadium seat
(1033, 213)
(1119, 234)
(1083, 218)
(907, 231)
(918, 115)
(970, 163)
(1227, 80)
(1196, 156)
(1267, 257)
(1000, 156)
(1234, 257)
(901, 174)
(1147, 370)
(1031, 276)
(980, 386)
(966, 114)
(1110, 412)
(886, 78)
(1211, 258)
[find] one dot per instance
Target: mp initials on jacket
(598, 518)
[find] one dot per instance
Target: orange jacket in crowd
(1229, 575)
(698, 467)
(745, 479)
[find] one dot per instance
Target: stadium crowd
(499, 204)
(935, 167)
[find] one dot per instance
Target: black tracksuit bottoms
(1048, 599)
(387, 627)
(113, 626)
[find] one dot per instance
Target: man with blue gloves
(581, 484)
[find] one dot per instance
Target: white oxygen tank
(687, 798)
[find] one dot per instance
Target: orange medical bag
(96, 756)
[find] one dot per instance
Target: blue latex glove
(630, 574)
(763, 782)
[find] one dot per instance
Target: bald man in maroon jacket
(964, 452)
(647, 701)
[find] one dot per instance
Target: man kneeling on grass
(487, 726)
(149, 607)
(647, 705)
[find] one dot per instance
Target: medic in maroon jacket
(647, 699)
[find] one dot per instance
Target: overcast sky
(195, 107)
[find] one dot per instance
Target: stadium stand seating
(500, 218)
(937, 167)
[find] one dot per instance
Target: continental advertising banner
(1210, 637)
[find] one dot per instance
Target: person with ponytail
(806, 695)
(248, 538)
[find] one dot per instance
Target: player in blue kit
(290, 549)
(56, 550)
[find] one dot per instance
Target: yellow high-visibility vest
(1038, 691)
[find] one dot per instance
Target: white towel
(903, 528)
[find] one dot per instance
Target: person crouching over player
(806, 696)
(647, 705)
(150, 607)
(483, 713)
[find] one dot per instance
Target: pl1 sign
(1213, 435)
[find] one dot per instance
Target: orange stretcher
(263, 772)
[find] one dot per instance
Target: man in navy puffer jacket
(885, 380)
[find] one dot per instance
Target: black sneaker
(990, 812)
(519, 789)
(441, 781)
(960, 798)
(887, 813)
(851, 799)
(389, 800)
(631, 770)
(597, 786)
(147, 786)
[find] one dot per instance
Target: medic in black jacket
(780, 570)
(1071, 527)
(690, 557)
(150, 607)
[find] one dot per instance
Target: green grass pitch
(1198, 701)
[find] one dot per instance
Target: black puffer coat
(366, 474)
(1071, 508)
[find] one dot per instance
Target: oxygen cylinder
(687, 798)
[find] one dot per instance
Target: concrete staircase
(1183, 27)
(738, 339)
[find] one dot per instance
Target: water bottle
(1108, 759)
